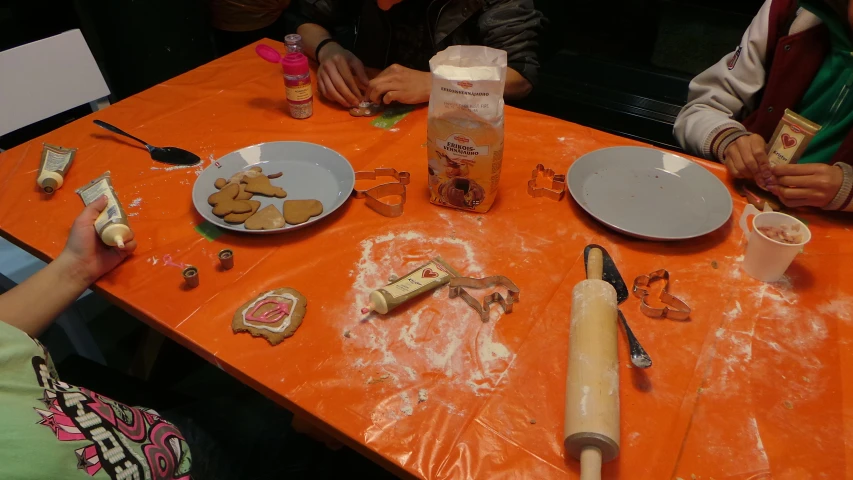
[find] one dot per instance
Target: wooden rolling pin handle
(594, 265)
(590, 463)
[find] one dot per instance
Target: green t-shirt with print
(829, 100)
(50, 429)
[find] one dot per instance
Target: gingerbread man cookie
(262, 186)
(274, 315)
(224, 201)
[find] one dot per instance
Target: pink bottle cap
(295, 64)
(268, 53)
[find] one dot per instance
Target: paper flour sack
(465, 130)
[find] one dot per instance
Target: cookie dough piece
(238, 218)
(274, 315)
(262, 186)
(219, 183)
(267, 218)
(299, 211)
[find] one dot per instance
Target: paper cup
(767, 259)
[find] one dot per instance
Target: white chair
(39, 80)
(46, 77)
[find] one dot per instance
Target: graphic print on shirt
(127, 443)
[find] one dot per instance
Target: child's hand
(85, 254)
(744, 157)
(806, 185)
(400, 84)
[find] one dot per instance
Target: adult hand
(809, 184)
(85, 254)
(745, 156)
(400, 84)
(341, 75)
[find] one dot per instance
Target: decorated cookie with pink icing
(274, 315)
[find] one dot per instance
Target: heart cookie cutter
(372, 195)
(459, 284)
(674, 309)
(558, 184)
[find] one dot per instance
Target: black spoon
(611, 275)
(170, 155)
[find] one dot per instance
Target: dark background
(621, 66)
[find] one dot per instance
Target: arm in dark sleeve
(514, 26)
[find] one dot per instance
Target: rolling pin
(591, 432)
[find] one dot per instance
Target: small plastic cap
(49, 185)
(119, 241)
(268, 53)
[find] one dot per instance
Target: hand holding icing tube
(111, 224)
(427, 277)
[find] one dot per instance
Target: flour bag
(465, 130)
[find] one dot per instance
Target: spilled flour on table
(135, 203)
(431, 338)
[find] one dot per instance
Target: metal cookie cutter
(457, 290)
(558, 184)
(372, 196)
(366, 109)
(674, 309)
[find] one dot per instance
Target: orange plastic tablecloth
(757, 384)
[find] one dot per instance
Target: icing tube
(423, 279)
(791, 138)
(55, 162)
(111, 224)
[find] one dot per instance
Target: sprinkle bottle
(297, 84)
(293, 43)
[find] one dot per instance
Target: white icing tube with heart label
(55, 162)
(791, 138)
(112, 223)
(423, 279)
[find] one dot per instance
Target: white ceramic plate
(309, 171)
(649, 193)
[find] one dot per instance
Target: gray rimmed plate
(649, 193)
(309, 171)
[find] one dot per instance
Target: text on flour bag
(465, 130)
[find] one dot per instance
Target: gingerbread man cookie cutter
(459, 284)
(674, 308)
(373, 195)
(558, 184)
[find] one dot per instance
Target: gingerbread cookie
(242, 217)
(224, 201)
(267, 218)
(221, 183)
(274, 315)
(262, 186)
(299, 211)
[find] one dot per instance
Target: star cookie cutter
(558, 184)
(372, 195)
(674, 309)
(459, 284)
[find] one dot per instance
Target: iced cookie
(267, 218)
(299, 211)
(237, 218)
(274, 315)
